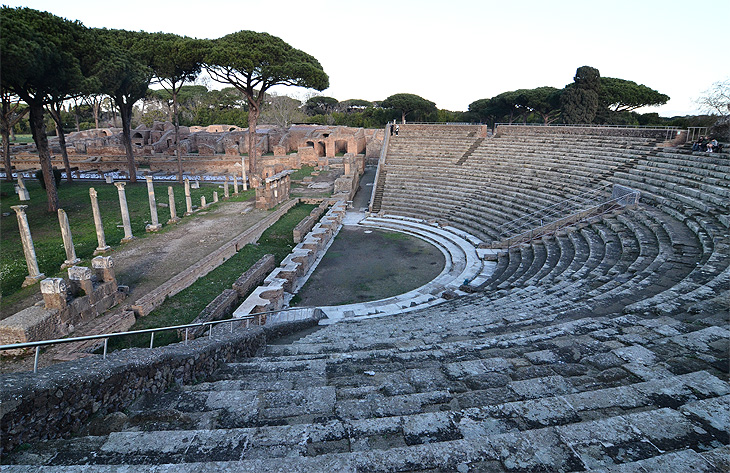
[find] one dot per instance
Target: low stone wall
(223, 305)
(520, 130)
(270, 295)
(56, 401)
(87, 294)
(254, 275)
(306, 225)
(152, 300)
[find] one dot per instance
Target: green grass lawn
(21, 139)
(184, 306)
(301, 173)
(74, 199)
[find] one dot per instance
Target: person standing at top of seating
(397, 130)
(392, 128)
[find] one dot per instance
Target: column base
(68, 263)
(173, 220)
(101, 250)
(30, 280)
(153, 228)
(128, 239)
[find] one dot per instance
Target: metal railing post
(35, 361)
(259, 318)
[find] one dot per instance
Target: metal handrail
(381, 163)
(442, 123)
(106, 336)
(541, 214)
(550, 228)
(590, 125)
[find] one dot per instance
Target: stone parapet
(519, 130)
(53, 402)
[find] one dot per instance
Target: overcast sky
(454, 52)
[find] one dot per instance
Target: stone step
(382, 445)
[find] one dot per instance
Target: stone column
(188, 199)
(243, 173)
(226, 192)
(203, 204)
(215, 197)
(125, 213)
(235, 185)
(100, 238)
(173, 214)
(68, 243)
(155, 225)
(34, 274)
(23, 193)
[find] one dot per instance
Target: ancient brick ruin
(216, 149)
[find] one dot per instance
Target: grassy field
(74, 199)
(183, 307)
(21, 139)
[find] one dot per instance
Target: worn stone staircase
(471, 385)
(379, 189)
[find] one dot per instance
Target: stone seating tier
(373, 394)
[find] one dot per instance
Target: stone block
(54, 292)
(31, 324)
(80, 279)
(104, 268)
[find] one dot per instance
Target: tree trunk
(38, 128)
(125, 111)
(55, 110)
(96, 107)
(254, 170)
(5, 129)
(178, 149)
(76, 118)
(6, 155)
